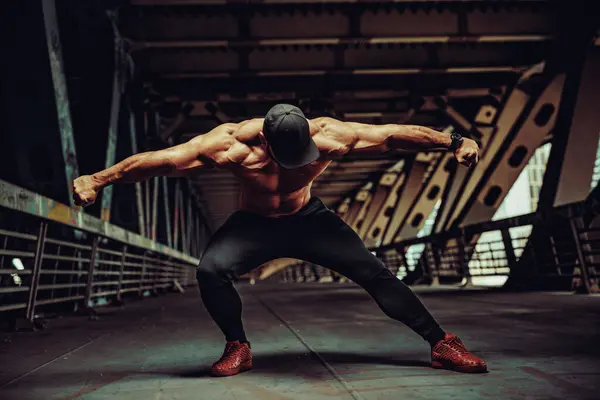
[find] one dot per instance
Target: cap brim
(310, 154)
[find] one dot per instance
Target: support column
(89, 288)
(121, 273)
(182, 213)
(199, 236)
(189, 222)
(156, 182)
(35, 275)
(575, 176)
(61, 95)
(176, 215)
(113, 126)
(167, 211)
(579, 24)
(138, 185)
(147, 215)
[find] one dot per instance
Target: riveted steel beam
(527, 134)
(379, 226)
(408, 192)
(386, 182)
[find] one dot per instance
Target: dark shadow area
(288, 363)
(300, 364)
(266, 288)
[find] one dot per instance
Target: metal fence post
(89, 288)
(141, 290)
(511, 259)
(155, 208)
(462, 255)
(147, 209)
(35, 275)
(122, 270)
(156, 275)
(580, 257)
(434, 248)
(176, 216)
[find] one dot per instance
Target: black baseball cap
(287, 131)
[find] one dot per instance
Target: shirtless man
(277, 159)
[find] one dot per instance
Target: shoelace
(229, 353)
(456, 345)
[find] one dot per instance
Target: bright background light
(18, 264)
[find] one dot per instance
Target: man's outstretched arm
(352, 137)
(201, 151)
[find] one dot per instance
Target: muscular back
(266, 187)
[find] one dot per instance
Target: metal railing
(552, 246)
(555, 248)
(588, 255)
(53, 257)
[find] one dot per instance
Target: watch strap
(457, 140)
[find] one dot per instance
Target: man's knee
(213, 272)
(375, 275)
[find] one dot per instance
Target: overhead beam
(359, 94)
(390, 40)
(228, 2)
(364, 71)
(201, 86)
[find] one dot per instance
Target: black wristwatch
(457, 140)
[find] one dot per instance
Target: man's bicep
(203, 151)
(341, 138)
(370, 138)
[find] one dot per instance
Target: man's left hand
(467, 153)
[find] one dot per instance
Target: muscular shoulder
(247, 131)
(236, 144)
(333, 137)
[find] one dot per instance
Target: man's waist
(313, 204)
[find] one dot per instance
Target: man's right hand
(85, 190)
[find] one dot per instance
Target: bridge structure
(103, 301)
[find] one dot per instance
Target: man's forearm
(136, 168)
(414, 137)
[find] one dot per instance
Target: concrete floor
(312, 342)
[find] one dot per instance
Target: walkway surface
(311, 342)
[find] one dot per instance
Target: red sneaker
(451, 353)
(236, 358)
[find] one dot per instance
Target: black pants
(314, 234)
